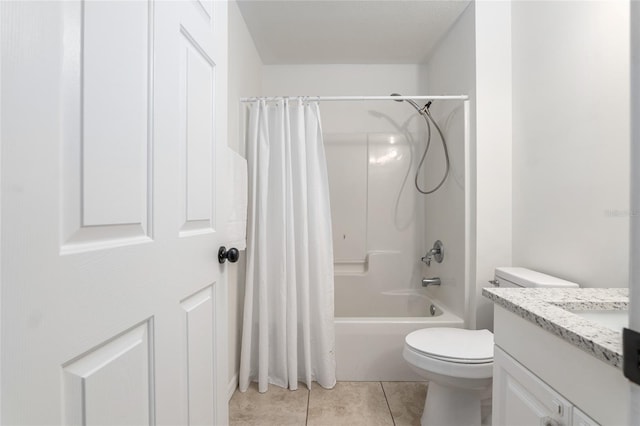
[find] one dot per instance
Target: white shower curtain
(288, 331)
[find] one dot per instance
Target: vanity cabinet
(540, 379)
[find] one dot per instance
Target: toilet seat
(454, 345)
(454, 352)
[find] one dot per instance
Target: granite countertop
(547, 308)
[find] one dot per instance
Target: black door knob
(232, 255)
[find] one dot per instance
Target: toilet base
(448, 406)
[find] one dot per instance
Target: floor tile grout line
(388, 405)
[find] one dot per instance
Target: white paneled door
(113, 125)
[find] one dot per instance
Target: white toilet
(458, 363)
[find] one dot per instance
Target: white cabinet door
(113, 128)
(520, 398)
(581, 419)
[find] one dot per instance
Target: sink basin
(612, 319)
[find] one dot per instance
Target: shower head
(413, 104)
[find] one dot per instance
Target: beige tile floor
(349, 403)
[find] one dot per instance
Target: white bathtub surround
(288, 333)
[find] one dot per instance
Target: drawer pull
(559, 407)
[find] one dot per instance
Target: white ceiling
(348, 31)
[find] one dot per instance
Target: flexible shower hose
(426, 115)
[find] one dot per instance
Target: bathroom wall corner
(493, 154)
(245, 80)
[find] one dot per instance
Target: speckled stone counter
(547, 308)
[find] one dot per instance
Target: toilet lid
(453, 344)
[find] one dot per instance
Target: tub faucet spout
(426, 282)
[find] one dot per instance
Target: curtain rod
(358, 98)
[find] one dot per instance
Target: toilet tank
(510, 276)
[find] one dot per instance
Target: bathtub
(369, 348)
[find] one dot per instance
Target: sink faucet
(436, 253)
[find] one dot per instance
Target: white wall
(450, 70)
(245, 79)
(571, 140)
(551, 153)
(493, 149)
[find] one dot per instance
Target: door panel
(106, 116)
(197, 159)
(120, 370)
(199, 310)
(113, 306)
(115, 76)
